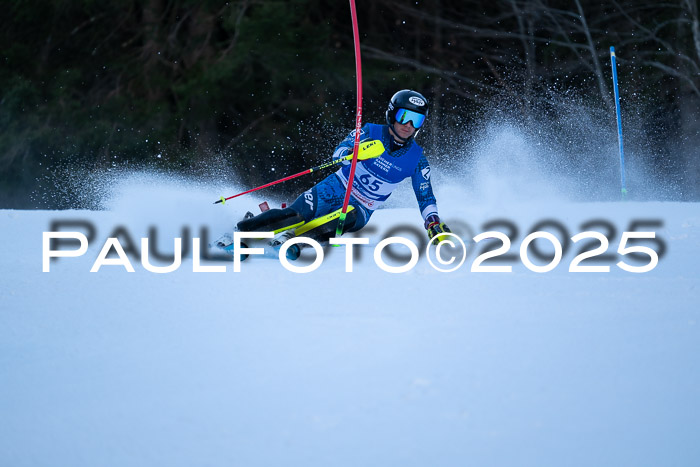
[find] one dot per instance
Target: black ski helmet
(406, 99)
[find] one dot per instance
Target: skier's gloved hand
(435, 227)
(367, 150)
(370, 149)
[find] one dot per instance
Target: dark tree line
(255, 84)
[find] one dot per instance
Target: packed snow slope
(269, 367)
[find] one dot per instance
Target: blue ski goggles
(403, 116)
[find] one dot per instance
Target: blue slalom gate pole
(619, 123)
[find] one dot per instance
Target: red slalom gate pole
(358, 120)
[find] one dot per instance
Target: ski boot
(293, 251)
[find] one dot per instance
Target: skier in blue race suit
(375, 178)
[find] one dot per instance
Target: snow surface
(267, 367)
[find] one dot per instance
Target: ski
(270, 246)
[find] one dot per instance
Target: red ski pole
(223, 200)
(369, 149)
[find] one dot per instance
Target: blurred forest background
(248, 86)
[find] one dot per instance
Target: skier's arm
(424, 189)
(426, 199)
(345, 147)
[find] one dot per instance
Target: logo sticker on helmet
(416, 101)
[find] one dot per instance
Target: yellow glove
(435, 228)
(367, 150)
(370, 150)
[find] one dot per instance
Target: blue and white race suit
(375, 179)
